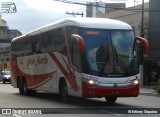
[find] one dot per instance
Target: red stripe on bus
(35, 81)
(66, 65)
(67, 49)
(70, 78)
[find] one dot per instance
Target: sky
(32, 14)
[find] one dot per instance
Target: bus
(82, 57)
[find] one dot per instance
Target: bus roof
(86, 22)
(101, 23)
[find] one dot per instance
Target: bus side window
(62, 49)
(46, 42)
(28, 46)
(58, 40)
(33, 45)
(69, 31)
(37, 42)
(76, 55)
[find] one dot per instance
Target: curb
(149, 94)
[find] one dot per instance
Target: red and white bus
(84, 57)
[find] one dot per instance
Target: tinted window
(50, 41)
(22, 47)
(58, 40)
(69, 31)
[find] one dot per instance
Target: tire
(64, 91)
(23, 90)
(111, 99)
(4, 81)
(20, 87)
(24, 87)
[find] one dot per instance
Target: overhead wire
(109, 7)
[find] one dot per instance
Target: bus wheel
(64, 92)
(24, 87)
(20, 86)
(110, 99)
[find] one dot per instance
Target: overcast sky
(32, 14)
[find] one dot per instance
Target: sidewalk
(148, 91)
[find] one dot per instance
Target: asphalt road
(45, 104)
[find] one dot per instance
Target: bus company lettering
(42, 60)
(37, 61)
(30, 62)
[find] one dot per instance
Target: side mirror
(77, 48)
(80, 42)
(143, 47)
(144, 42)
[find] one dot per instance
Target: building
(102, 8)
(5, 32)
(151, 31)
(130, 15)
(6, 35)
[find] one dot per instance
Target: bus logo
(6, 111)
(115, 85)
(8, 7)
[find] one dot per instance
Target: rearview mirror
(143, 48)
(143, 42)
(80, 42)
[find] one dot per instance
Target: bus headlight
(135, 82)
(91, 82)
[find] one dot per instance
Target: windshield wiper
(122, 65)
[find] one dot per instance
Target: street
(50, 105)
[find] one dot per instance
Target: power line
(137, 3)
(117, 8)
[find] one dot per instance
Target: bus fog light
(91, 82)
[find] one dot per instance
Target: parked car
(5, 75)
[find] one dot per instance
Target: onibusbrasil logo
(8, 7)
(21, 111)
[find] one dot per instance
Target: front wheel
(64, 92)
(110, 99)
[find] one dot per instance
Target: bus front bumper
(96, 91)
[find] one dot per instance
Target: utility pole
(142, 20)
(142, 35)
(73, 13)
(94, 8)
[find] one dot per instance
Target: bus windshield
(110, 52)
